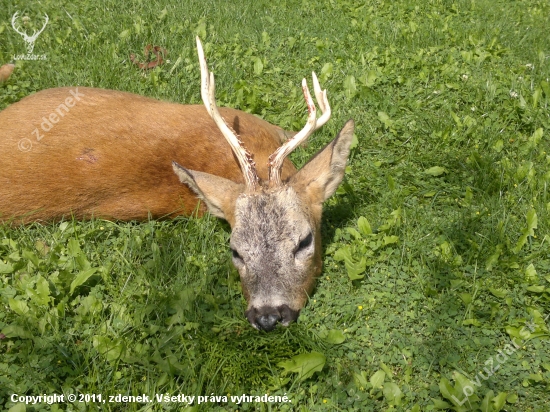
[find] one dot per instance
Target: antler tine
(322, 101)
(208, 89)
(275, 162)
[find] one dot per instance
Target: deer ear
(218, 193)
(322, 175)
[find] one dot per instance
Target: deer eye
(304, 244)
(236, 255)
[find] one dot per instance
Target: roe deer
(91, 152)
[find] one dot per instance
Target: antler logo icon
(28, 39)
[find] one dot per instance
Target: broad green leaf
(435, 171)
(16, 331)
(441, 405)
(536, 289)
(536, 377)
(499, 293)
(31, 256)
(392, 393)
(355, 269)
(258, 66)
(352, 231)
(111, 350)
(377, 380)
(124, 33)
(384, 118)
(531, 221)
(531, 273)
(350, 89)
(462, 382)
(41, 247)
(514, 332)
(81, 278)
(499, 401)
(162, 14)
(446, 389)
(523, 334)
(342, 254)
(361, 381)
(18, 407)
(473, 322)
(466, 298)
(364, 226)
(485, 403)
(354, 143)
(493, 259)
(388, 240)
(335, 337)
(5, 267)
(387, 370)
(18, 306)
(456, 119)
(82, 262)
(73, 247)
(391, 183)
(200, 30)
(42, 294)
(499, 145)
(521, 241)
(326, 72)
(305, 365)
(512, 398)
(529, 231)
(368, 79)
(537, 136)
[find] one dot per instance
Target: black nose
(267, 322)
(267, 317)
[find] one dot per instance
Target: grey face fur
(273, 246)
(276, 242)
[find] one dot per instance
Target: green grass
(436, 245)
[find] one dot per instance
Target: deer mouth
(266, 318)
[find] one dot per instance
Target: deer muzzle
(267, 317)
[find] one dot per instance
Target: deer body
(110, 154)
(91, 152)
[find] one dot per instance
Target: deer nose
(267, 322)
(267, 317)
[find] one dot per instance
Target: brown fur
(110, 155)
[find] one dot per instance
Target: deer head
(276, 238)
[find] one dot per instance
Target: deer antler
(321, 96)
(276, 160)
(208, 89)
